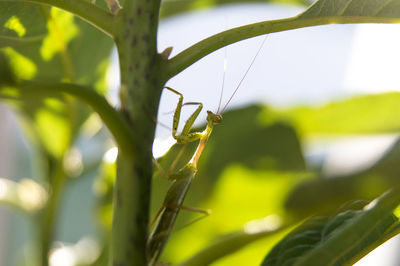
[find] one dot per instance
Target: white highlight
(84, 252)
(161, 146)
(269, 223)
(3, 188)
(374, 59)
(111, 155)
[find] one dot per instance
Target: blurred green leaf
(173, 8)
(21, 24)
(239, 196)
(232, 242)
(374, 8)
(367, 114)
(325, 193)
(338, 239)
(65, 49)
(6, 74)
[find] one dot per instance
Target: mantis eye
(218, 119)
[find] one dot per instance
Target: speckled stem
(141, 86)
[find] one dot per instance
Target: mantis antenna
(223, 78)
(244, 76)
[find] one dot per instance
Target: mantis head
(213, 119)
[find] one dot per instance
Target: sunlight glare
(269, 223)
(374, 57)
(111, 155)
(63, 256)
(3, 188)
(31, 194)
(86, 251)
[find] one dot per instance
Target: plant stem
(141, 85)
(91, 13)
(197, 51)
(47, 217)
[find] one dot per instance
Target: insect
(183, 178)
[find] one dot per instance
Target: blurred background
(318, 101)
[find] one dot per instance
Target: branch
(111, 117)
(91, 13)
(217, 41)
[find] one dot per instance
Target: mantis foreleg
(185, 136)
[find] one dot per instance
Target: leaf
(21, 24)
(338, 239)
(325, 193)
(232, 242)
(351, 8)
(173, 8)
(348, 116)
(6, 74)
(65, 49)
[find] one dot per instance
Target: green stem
(217, 41)
(91, 13)
(142, 78)
(111, 117)
(47, 217)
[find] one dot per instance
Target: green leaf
(21, 24)
(65, 49)
(339, 239)
(324, 194)
(173, 8)
(6, 74)
(351, 8)
(348, 116)
(232, 242)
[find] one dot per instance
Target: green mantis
(183, 178)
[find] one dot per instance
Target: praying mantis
(183, 178)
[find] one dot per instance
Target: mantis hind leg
(181, 207)
(167, 174)
(185, 136)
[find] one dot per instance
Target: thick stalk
(141, 85)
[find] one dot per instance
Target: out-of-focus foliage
(356, 220)
(46, 44)
(49, 44)
(368, 114)
(253, 165)
(325, 193)
(259, 183)
(175, 7)
(371, 114)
